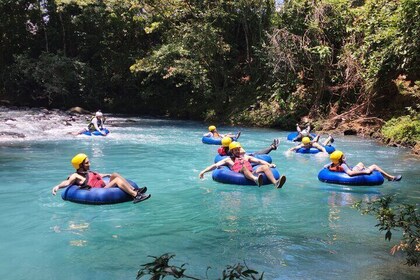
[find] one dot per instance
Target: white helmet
(98, 114)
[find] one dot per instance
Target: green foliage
(305, 49)
(238, 61)
(160, 268)
(393, 216)
(50, 77)
(405, 129)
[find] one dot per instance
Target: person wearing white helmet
(303, 132)
(95, 124)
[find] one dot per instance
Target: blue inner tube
(328, 148)
(327, 176)
(227, 176)
(265, 157)
(213, 141)
(293, 135)
(96, 133)
(97, 196)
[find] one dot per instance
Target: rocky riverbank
(39, 123)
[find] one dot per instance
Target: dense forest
(253, 62)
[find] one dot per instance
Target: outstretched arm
(64, 184)
(295, 148)
(212, 167)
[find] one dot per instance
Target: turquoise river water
(307, 230)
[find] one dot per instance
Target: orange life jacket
(239, 163)
(93, 180)
(336, 168)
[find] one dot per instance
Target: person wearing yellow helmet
(307, 143)
(86, 178)
(224, 149)
(215, 134)
(240, 162)
(339, 164)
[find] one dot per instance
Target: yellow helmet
(336, 156)
(226, 141)
(211, 128)
(234, 145)
(306, 140)
(77, 160)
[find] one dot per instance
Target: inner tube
(97, 196)
(213, 141)
(227, 176)
(328, 176)
(264, 157)
(293, 135)
(96, 133)
(312, 150)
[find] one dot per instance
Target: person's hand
(54, 190)
(272, 165)
(201, 175)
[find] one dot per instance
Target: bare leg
(267, 171)
(359, 167)
(248, 174)
(319, 147)
(123, 184)
(377, 168)
(79, 132)
(316, 138)
(328, 140)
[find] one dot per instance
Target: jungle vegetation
(252, 62)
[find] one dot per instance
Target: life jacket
(91, 126)
(239, 163)
(222, 151)
(335, 168)
(93, 180)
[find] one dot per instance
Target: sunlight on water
(307, 230)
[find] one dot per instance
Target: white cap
(98, 114)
